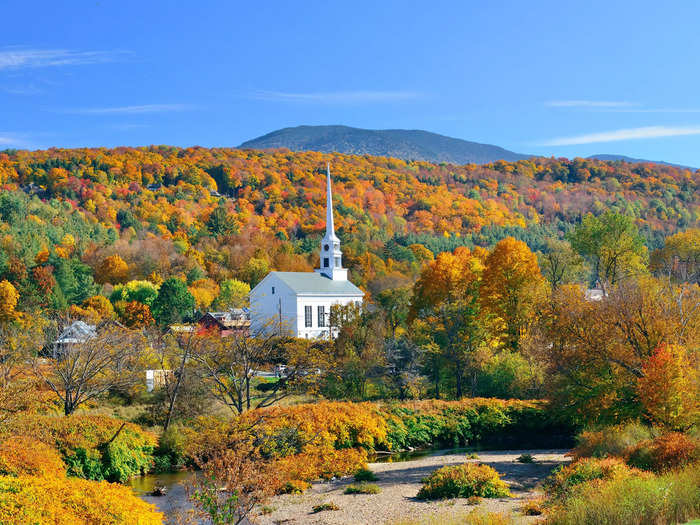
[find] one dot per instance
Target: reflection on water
(175, 504)
(144, 485)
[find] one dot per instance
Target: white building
(299, 303)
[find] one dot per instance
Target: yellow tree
(112, 269)
(446, 297)
(512, 286)
(8, 300)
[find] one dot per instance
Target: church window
(337, 262)
(325, 262)
(325, 247)
(321, 316)
(273, 290)
(308, 317)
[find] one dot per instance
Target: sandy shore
(400, 483)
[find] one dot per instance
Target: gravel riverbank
(400, 483)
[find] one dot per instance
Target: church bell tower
(331, 256)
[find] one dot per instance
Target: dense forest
(481, 330)
(73, 220)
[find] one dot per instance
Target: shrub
(23, 455)
(566, 479)
(67, 501)
(666, 452)
(532, 507)
(670, 498)
(325, 506)
(362, 488)
(472, 455)
(365, 474)
(612, 441)
(463, 481)
(88, 444)
(295, 486)
(525, 458)
(323, 463)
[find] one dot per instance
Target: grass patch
(610, 441)
(365, 474)
(362, 488)
(525, 458)
(472, 455)
(463, 481)
(324, 506)
(634, 500)
(473, 517)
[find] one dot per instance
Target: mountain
(399, 143)
(606, 156)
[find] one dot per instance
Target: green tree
(395, 302)
(220, 222)
(612, 244)
(174, 301)
(560, 264)
(233, 294)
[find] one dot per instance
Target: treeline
(75, 223)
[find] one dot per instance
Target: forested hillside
(73, 220)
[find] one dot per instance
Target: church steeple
(331, 256)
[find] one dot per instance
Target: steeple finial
(330, 227)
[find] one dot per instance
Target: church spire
(330, 227)
(331, 256)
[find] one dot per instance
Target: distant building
(235, 321)
(299, 303)
(594, 294)
(156, 379)
(78, 332)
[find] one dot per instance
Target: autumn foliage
(670, 387)
(71, 501)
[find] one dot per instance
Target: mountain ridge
(400, 143)
(405, 144)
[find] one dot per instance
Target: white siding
(266, 307)
(315, 301)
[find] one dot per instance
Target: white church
(299, 303)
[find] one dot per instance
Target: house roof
(313, 283)
(77, 332)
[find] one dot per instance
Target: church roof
(313, 283)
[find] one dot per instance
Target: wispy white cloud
(654, 110)
(129, 110)
(22, 57)
(649, 132)
(337, 97)
(588, 104)
(14, 140)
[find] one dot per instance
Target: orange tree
(669, 388)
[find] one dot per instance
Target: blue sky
(549, 78)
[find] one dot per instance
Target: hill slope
(398, 143)
(612, 157)
(211, 215)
